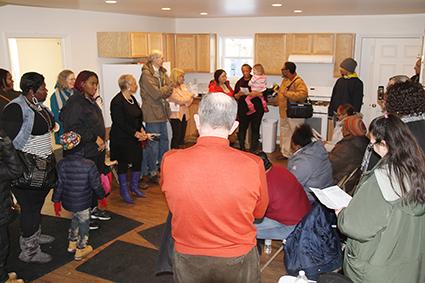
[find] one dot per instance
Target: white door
(382, 58)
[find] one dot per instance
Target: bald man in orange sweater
(214, 193)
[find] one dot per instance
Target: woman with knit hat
(348, 88)
(348, 153)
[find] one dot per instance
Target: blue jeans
(79, 230)
(154, 150)
(271, 229)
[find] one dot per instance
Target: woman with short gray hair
(126, 136)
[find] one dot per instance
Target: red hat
(354, 126)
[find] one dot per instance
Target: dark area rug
(153, 234)
(124, 262)
(58, 227)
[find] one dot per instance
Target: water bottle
(301, 278)
(268, 246)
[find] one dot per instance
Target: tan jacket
(297, 92)
(183, 98)
(154, 91)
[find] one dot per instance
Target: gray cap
(349, 64)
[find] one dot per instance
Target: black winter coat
(346, 91)
(84, 117)
(78, 177)
(10, 168)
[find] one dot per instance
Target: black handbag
(299, 110)
(39, 173)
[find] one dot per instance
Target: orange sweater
(214, 193)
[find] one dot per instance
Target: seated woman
(180, 101)
(384, 222)
(220, 83)
(348, 153)
(310, 162)
(288, 202)
(343, 111)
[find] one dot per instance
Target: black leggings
(123, 167)
(244, 122)
(179, 131)
(31, 202)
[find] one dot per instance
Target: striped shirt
(39, 145)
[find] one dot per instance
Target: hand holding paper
(332, 197)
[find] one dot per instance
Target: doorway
(41, 55)
(382, 58)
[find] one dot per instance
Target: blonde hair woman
(63, 90)
(180, 101)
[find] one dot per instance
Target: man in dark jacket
(78, 178)
(10, 168)
(348, 88)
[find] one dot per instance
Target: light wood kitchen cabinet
(195, 52)
(155, 41)
(299, 43)
(203, 58)
(323, 43)
(311, 43)
(128, 44)
(122, 44)
(270, 51)
(344, 48)
(169, 47)
(186, 52)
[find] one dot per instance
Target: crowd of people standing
(215, 224)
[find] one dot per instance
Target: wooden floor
(151, 211)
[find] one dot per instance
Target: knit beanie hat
(266, 161)
(349, 64)
(354, 126)
(70, 140)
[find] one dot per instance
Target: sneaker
(72, 246)
(143, 185)
(99, 214)
(93, 225)
(82, 253)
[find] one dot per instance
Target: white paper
(245, 90)
(332, 197)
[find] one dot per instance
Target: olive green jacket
(386, 238)
(155, 89)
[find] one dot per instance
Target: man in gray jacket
(155, 88)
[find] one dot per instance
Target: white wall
(77, 28)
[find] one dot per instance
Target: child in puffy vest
(258, 83)
(78, 177)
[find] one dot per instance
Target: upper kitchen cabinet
(310, 43)
(195, 52)
(128, 44)
(344, 48)
(169, 47)
(270, 51)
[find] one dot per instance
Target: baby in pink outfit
(257, 83)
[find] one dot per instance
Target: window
(236, 51)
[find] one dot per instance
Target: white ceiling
(235, 8)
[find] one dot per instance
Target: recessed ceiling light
(277, 5)
(203, 13)
(166, 9)
(111, 2)
(298, 11)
